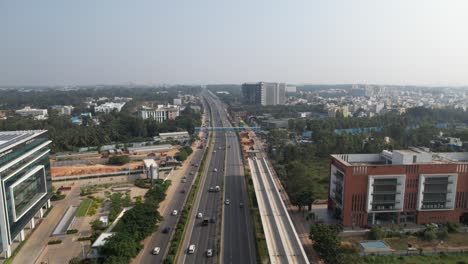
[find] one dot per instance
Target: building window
(28, 191)
(384, 194)
(437, 192)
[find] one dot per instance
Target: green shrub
(118, 160)
(376, 233)
(54, 242)
(72, 231)
(452, 227)
(442, 234)
(429, 234)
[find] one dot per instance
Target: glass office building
(26, 185)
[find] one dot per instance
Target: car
(184, 180)
(211, 189)
(174, 212)
(166, 230)
(196, 165)
(241, 205)
(191, 173)
(191, 249)
(212, 220)
(227, 202)
(209, 252)
(156, 250)
(199, 215)
(214, 151)
(217, 188)
(182, 191)
(215, 170)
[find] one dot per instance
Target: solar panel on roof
(9, 138)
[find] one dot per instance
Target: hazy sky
(233, 41)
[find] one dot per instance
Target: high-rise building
(264, 93)
(26, 185)
(403, 186)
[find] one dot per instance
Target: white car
(227, 202)
(199, 215)
(174, 212)
(156, 250)
(209, 252)
(191, 249)
(215, 169)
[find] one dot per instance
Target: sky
(85, 42)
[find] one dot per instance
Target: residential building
(403, 186)
(264, 93)
(109, 107)
(38, 114)
(63, 109)
(177, 101)
(161, 113)
(26, 185)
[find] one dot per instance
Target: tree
(181, 155)
(376, 233)
(326, 242)
(118, 160)
(121, 245)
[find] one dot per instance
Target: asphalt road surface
(208, 203)
(237, 243)
(160, 239)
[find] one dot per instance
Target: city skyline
(114, 42)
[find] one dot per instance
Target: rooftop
(403, 157)
(9, 139)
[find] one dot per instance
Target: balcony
(385, 192)
(441, 200)
(437, 182)
(384, 208)
(435, 206)
(385, 202)
(382, 183)
(437, 191)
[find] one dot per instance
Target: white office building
(38, 114)
(26, 185)
(109, 107)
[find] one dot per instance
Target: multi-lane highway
(238, 245)
(283, 243)
(237, 237)
(174, 202)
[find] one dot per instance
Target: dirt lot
(100, 168)
(90, 169)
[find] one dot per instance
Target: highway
(237, 236)
(282, 240)
(237, 245)
(174, 202)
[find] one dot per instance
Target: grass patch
(319, 169)
(419, 259)
(453, 240)
(83, 209)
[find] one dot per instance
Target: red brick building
(403, 186)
